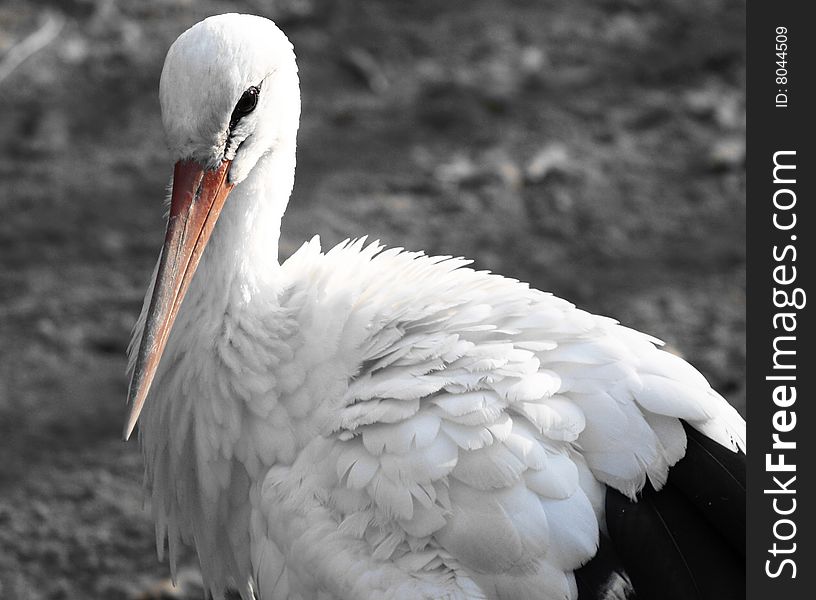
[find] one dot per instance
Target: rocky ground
(593, 149)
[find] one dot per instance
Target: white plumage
(370, 422)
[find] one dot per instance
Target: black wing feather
(670, 551)
(685, 542)
(713, 479)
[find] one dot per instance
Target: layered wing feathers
(482, 416)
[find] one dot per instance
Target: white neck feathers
(243, 250)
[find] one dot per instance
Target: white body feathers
(389, 425)
(372, 423)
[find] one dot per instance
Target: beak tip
(130, 425)
(135, 401)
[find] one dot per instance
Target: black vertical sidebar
(781, 563)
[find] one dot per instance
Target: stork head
(229, 95)
(229, 92)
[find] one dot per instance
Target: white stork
(372, 423)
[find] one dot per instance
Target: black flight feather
(687, 541)
(713, 479)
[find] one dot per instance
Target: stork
(377, 423)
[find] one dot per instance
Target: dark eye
(247, 103)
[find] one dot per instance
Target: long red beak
(198, 196)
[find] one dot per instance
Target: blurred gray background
(594, 149)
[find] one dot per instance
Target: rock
(552, 157)
(727, 154)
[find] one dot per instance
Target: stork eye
(247, 103)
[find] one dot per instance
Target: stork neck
(243, 250)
